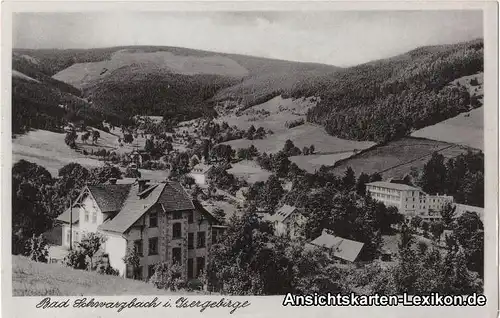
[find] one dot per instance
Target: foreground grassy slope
(39, 279)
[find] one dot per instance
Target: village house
(342, 248)
(139, 156)
(410, 201)
(159, 219)
(287, 221)
(200, 173)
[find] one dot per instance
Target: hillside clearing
(40, 279)
(48, 149)
(465, 129)
(312, 163)
(398, 158)
(249, 171)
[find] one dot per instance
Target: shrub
(168, 277)
(36, 249)
(75, 259)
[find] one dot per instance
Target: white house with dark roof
(342, 248)
(159, 219)
(287, 221)
(200, 173)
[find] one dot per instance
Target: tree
(132, 173)
(311, 149)
(448, 213)
(280, 164)
(37, 249)
(149, 145)
(433, 176)
(305, 151)
(169, 147)
(85, 137)
(133, 259)
(95, 136)
(416, 221)
(188, 181)
(70, 139)
(363, 179)
(128, 138)
(375, 177)
(90, 244)
(219, 214)
(102, 174)
(437, 229)
(273, 192)
(349, 179)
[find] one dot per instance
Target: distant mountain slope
(39, 101)
(377, 101)
(388, 99)
(167, 80)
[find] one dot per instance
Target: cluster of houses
(164, 224)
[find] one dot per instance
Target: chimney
(112, 180)
(143, 184)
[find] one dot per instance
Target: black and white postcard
(180, 159)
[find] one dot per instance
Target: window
(153, 219)
(176, 255)
(76, 236)
(94, 217)
(176, 230)
(191, 217)
(190, 268)
(138, 247)
(153, 246)
(86, 216)
(200, 265)
(151, 270)
(190, 241)
(68, 236)
(177, 215)
(201, 239)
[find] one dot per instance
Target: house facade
(410, 201)
(160, 220)
(287, 221)
(200, 173)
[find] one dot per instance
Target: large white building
(410, 201)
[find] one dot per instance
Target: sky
(341, 38)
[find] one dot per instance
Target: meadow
(31, 278)
(398, 158)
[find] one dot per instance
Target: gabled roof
(171, 195)
(395, 186)
(284, 212)
(342, 248)
(201, 168)
(110, 197)
(65, 216)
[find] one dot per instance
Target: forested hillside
(386, 99)
(378, 101)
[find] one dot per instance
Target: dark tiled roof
(395, 186)
(110, 197)
(133, 208)
(342, 248)
(171, 195)
(65, 216)
(282, 213)
(175, 198)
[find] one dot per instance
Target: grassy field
(249, 170)
(313, 162)
(48, 149)
(465, 129)
(273, 114)
(40, 279)
(397, 158)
